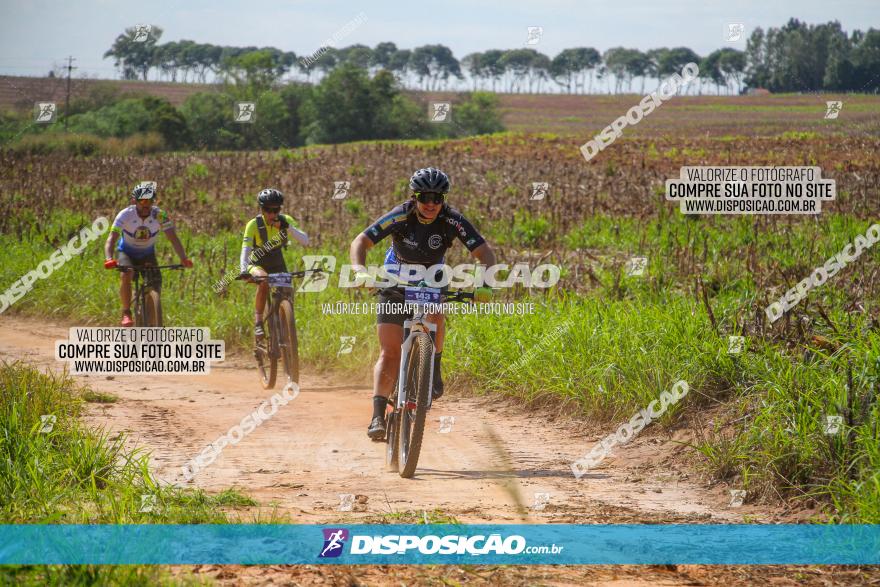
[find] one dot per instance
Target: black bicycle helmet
(270, 197)
(429, 179)
(144, 191)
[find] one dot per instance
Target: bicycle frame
(418, 323)
(277, 346)
(279, 289)
(139, 284)
(405, 435)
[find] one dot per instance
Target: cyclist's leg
(389, 329)
(384, 375)
(440, 321)
(437, 379)
(262, 289)
(388, 365)
(260, 300)
(123, 260)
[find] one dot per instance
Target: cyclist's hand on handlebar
(110, 264)
(362, 277)
(483, 295)
(186, 263)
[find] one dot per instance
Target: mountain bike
(147, 310)
(411, 399)
(280, 341)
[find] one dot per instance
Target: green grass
(435, 516)
(65, 473)
(88, 575)
(799, 135)
(782, 106)
(99, 397)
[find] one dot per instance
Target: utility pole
(70, 68)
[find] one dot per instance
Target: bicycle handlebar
(302, 273)
(147, 268)
(397, 292)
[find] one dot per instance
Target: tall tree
(400, 63)
(434, 63)
(732, 64)
(625, 64)
(492, 66)
(539, 70)
(254, 71)
(637, 65)
(866, 62)
(563, 69)
(473, 64)
(672, 61)
(382, 56)
(358, 55)
(134, 58)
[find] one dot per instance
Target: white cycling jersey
(138, 235)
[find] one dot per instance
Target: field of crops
(689, 116)
(707, 278)
(492, 182)
(682, 116)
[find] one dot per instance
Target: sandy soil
(487, 468)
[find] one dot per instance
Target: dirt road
(315, 448)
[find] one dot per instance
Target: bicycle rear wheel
(288, 339)
(267, 360)
(415, 408)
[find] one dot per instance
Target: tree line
(795, 57)
(348, 104)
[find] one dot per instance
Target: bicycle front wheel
(289, 341)
(415, 408)
(392, 450)
(267, 360)
(152, 309)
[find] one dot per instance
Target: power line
(70, 68)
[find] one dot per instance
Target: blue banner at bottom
(558, 544)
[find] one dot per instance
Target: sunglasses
(430, 198)
(272, 210)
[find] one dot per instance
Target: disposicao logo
(334, 541)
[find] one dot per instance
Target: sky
(37, 35)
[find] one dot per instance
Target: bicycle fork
(273, 347)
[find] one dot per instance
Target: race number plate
(422, 295)
(280, 279)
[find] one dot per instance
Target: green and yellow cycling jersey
(252, 234)
(264, 249)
